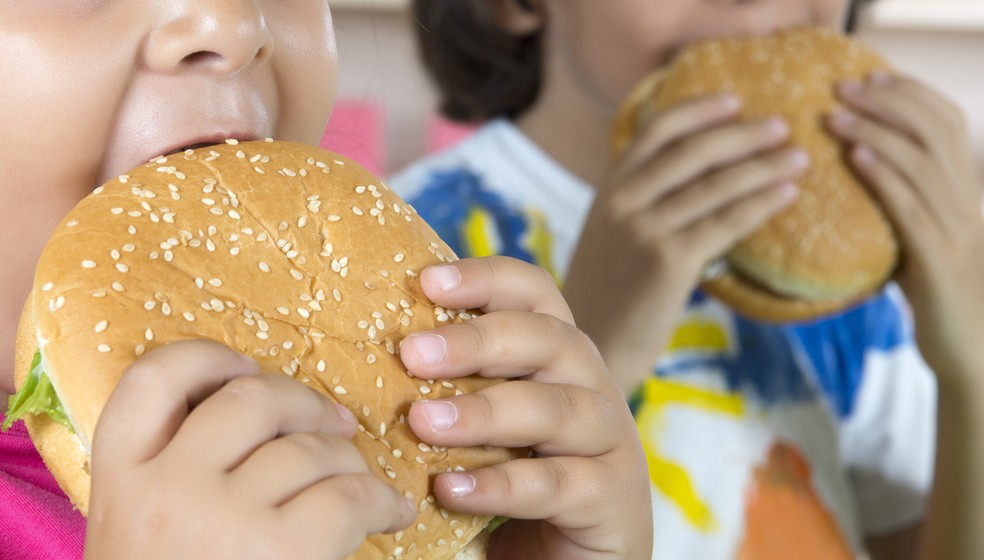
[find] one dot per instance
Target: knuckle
(306, 446)
(248, 389)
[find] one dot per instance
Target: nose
(218, 36)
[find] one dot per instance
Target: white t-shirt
(764, 441)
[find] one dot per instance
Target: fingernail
(250, 363)
(864, 155)
(799, 159)
(441, 415)
(345, 413)
(446, 277)
(730, 102)
(778, 127)
(429, 349)
(788, 191)
(880, 78)
(410, 506)
(460, 484)
(850, 88)
(843, 120)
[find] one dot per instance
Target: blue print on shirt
(450, 196)
(836, 347)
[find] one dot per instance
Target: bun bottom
(476, 549)
(755, 302)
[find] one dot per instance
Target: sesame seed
(296, 274)
(104, 348)
(334, 218)
(60, 302)
(283, 311)
(215, 282)
(340, 390)
(47, 287)
(232, 141)
(101, 326)
(321, 366)
(118, 287)
(264, 267)
(262, 335)
(149, 334)
(190, 317)
(88, 264)
(122, 268)
(357, 211)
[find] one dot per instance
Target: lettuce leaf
(36, 396)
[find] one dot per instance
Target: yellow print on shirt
(671, 479)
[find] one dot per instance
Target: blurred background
(385, 115)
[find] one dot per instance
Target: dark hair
(481, 70)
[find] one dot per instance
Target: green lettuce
(36, 396)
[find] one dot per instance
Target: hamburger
(833, 246)
(295, 256)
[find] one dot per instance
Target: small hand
(695, 183)
(912, 147)
(197, 455)
(585, 492)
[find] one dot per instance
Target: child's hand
(197, 456)
(912, 147)
(586, 493)
(694, 184)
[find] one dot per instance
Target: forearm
(957, 506)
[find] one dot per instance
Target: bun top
(297, 257)
(834, 242)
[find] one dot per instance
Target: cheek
(306, 67)
(832, 13)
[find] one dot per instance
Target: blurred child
(764, 441)
(95, 88)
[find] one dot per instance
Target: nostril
(200, 57)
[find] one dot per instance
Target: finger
(677, 123)
(916, 168)
(689, 160)
(907, 156)
(282, 468)
(250, 411)
(552, 418)
(344, 510)
(719, 231)
(155, 395)
(896, 103)
(559, 489)
(912, 218)
(494, 283)
(505, 344)
(723, 188)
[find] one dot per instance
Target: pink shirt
(37, 521)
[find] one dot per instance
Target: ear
(521, 18)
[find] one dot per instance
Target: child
(763, 441)
(95, 88)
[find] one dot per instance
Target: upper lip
(203, 141)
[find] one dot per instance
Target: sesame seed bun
(833, 246)
(294, 256)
